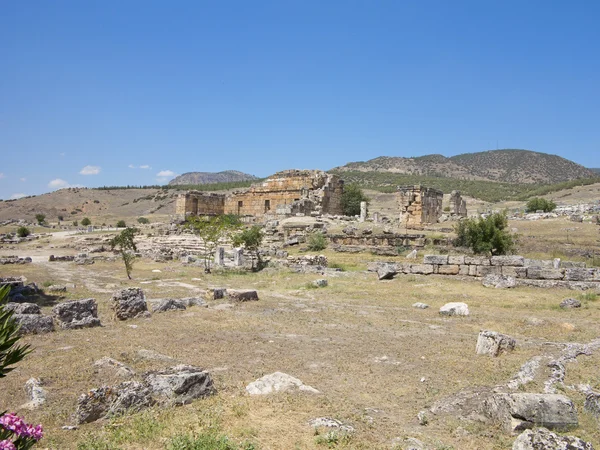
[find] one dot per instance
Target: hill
(227, 176)
(506, 166)
(597, 170)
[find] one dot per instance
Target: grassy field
(358, 341)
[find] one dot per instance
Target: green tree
(61, 218)
(317, 241)
(10, 352)
(211, 230)
(75, 223)
(85, 222)
(251, 239)
(40, 218)
(540, 204)
(125, 245)
(143, 220)
(121, 224)
(485, 235)
(23, 232)
(351, 199)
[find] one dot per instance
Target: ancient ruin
(458, 206)
(419, 205)
(287, 193)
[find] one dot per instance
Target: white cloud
(57, 183)
(17, 196)
(164, 175)
(23, 179)
(131, 166)
(1, 175)
(90, 170)
(145, 166)
(63, 154)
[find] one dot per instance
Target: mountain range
(227, 176)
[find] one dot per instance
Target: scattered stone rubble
(544, 439)
(14, 260)
(129, 303)
(278, 382)
(493, 343)
(77, 314)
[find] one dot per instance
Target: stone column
(238, 257)
(376, 217)
(220, 256)
(363, 211)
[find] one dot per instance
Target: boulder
(193, 301)
(570, 303)
(167, 304)
(242, 295)
(544, 439)
(455, 309)
(592, 403)
(320, 283)
(216, 293)
(180, 384)
(420, 305)
(129, 303)
(23, 308)
(386, 271)
(499, 281)
(35, 392)
(56, 288)
(494, 343)
(115, 367)
(278, 382)
(520, 411)
(34, 323)
(412, 254)
(77, 314)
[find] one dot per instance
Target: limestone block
(472, 271)
(477, 260)
(435, 259)
(577, 274)
(482, 271)
(452, 269)
(541, 263)
(510, 271)
(423, 269)
(455, 309)
(456, 259)
(494, 343)
(463, 269)
(507, 260)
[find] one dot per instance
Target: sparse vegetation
(351, 199)
(23, 232)
(485, 235)
(143, 220)
(86, 221)
(250, 239)
(60, 218)
(40, 218)
(540, 204)
(125, 245)
(317, 241)
(75, 223)
(211, 230)
(121, 224)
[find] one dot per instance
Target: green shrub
(143, 220)
(40, 218)
(75, 223)
(351, 199)
(121, 224)
(23, 232)
(540, 204)
(485, 236)
(317, 241)
(85, 222)
(60, 218)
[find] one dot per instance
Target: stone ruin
(458, 206)
(419, 205)
(287, 193)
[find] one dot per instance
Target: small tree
(351, 199)
(121, 224)
(317, 241)
(125, 245)
(23, 232)
(251, 238)
(211, 230)
(40, 218)
(61, 218)
(85, 222)
(75, 223)
(143, 220)
(540, 204)
(485, 236)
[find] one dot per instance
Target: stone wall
(528, 272)
(289, 192)
(379, 240)
(419, 205)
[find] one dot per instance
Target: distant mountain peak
(225, 176)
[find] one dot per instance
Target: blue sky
(133, 92)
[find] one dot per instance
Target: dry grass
(334, 339)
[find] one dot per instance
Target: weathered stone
(180, 384)
(536, 273)
(451, 269)
(34, 323)
(435, 259)
(328, 422)
(592, 403)
(35, 392)
(277, 382)
(56, 288)
(242, 295)
(129, 303)
(193, 301)
(494, 343)
(543, 439)
(386, 271)
(464, 269)
(570, 303)
(507, 260)
(577, 274)
(115, 367)
(477, 260)
(167, 304)
(320, 283)
(482, 271)
(456, 259)
(520, 411)
(419, 205)
(539, 263)
(422, 269)
(77, 314)
(455, 309)
(412, 254)
(420, 305)
(216, 293)
(499, 281)
(23, 308)
(472, 270)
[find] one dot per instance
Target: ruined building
(458, 206)
(289, 192)
(419, 205)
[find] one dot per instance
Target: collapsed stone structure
(419, 205)
(286, 193)
(458, 206)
